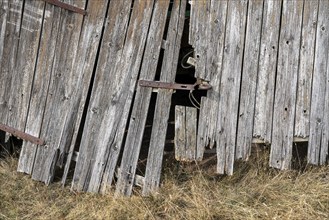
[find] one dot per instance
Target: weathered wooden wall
(267, 62)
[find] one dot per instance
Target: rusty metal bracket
(66, 6)
(22, 135)
(199, 85)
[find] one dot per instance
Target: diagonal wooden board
(112, 95)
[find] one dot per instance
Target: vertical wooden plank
(60, 94)
(185, 133)
(286, 84)
(249, 79)
(267, 70)
(85, 61)
(318, 140)
(114, 109)
(42, 77)
(20, 88)
(143, 94)
(11, 24)
(230, 86)
(303, 106)
(163, 103)
(207, 127)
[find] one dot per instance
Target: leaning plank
(303, 105)
(207, 126)
(267, 70)
(42, 77)
(140, 108)
(286, 84)
(318, 140)
(60, 94)
(9, 33)
(85, 61)
(163, 102)
(249, 79)
(230, 86)
(185, 133)
(20, 89)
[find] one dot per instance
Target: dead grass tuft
(253, 192)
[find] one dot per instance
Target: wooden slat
(267, 70)
(319, 120)
(303, 105)
(9, 42)
(60, 94)
(42, 78)
(209, 105)
(185, 133)
(230, 86)
(286, 84)
(249, 79)
(85, 61)
(141, 104)
(163, 102)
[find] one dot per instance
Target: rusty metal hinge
(66, 6)
(199, 85)
(22, 135)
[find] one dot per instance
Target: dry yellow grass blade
(253, 192)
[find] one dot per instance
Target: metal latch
(199, 85)
(22, 135)
(66, 6)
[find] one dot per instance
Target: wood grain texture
(303, 105)
(85, 62)
(286, 84)
(60, 94)
(142, 99)
(319, 128)
(207, 126)
(163, 102)
(42, 78)
(249, 79)
(230, 86)
(185, 133)
(267, 70)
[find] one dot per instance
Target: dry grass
(253, 192)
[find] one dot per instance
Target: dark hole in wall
(299, 155)
(11, 147)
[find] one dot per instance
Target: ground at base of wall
(253, 192)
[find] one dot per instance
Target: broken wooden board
(163, 102)
(286, 84)
(142, 99)
(207, 126)
(249, 79)
(267, 70)
(303, 105)
(319, 120)
(185, 133)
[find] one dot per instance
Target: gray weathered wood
(267, 70)
(286, 84)
(303, 105)
(207, 127)
(42, 77)
(163, 102)
(139, 113)
(60, 94)
(185, 133)
(318, 140)
(230, 86)
(85, 61)
(249, 79)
